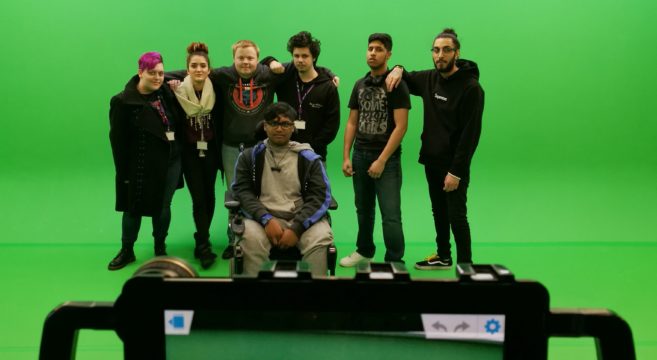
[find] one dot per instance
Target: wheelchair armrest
(230, 202)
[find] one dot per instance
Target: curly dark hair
(302, 40)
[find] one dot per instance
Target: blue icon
(492, 326)
(177, 321)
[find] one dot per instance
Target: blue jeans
(229, 156)
(131, 223)
(387, 190)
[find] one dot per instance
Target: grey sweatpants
(312, 245)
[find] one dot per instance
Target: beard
(447, 67)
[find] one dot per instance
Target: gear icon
(492, 326)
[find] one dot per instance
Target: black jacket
(315, 187)
(453, 108)
(320, 109)
(142, 153)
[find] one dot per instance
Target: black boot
(228, 252)
(160, 248)
(125, 257)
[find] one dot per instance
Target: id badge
(201, 145)
(300, 124)
(170, 135)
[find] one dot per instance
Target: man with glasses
(453, 106)
(284, 191)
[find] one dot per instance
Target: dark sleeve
(472, 111)
(325, 71)
(400, 98)
(119, 137)
(353, 100)
(175, 75)
(316, 198)
(244, 189)
(289, 68)
(329, 131)
(221, 79)
(416, 80)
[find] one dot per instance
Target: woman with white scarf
(201, 153)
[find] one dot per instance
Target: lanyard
(302, 98)
(250, 93)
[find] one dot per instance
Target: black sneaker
(228, 252)
(434, 262)
(124, 258)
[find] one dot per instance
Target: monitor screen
(329, 335)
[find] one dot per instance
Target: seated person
(285, 194)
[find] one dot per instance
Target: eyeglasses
(446, 50)
(282, 124)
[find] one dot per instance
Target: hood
(294, 146)
(467, 68)
(132, 96)
(322, 77)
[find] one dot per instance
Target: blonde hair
(245, 44)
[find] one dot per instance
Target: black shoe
(160, 249)
(228, 252)
(434, 262)
(124, 258)
(205, 255)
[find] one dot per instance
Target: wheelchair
(236, 226)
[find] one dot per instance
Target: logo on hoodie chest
(440, 97)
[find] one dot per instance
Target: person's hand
(336, 81)
(288, 240)
(451, 183)
(376, 168)
(347, 170)
(394, 78)
(274, 231)
(276, 67)
(174, 84)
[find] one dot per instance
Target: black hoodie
(320, 108)
(453, 108)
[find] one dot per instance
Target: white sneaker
(354, 259)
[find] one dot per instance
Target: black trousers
(200, 177)
(449, 213)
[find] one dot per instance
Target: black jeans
(449, 211)
(200, 176)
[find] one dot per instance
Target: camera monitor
(382, 316)
(379, 314)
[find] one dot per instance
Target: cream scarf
(187, 98)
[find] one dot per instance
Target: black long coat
(142, 153)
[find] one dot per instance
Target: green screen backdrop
(563, 179)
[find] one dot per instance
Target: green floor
(587, 255)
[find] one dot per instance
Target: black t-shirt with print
(376, 111)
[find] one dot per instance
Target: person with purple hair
(143, 133)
